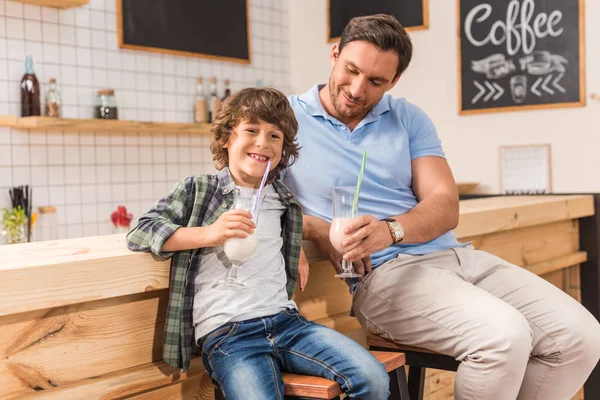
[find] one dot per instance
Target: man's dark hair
(385, 32)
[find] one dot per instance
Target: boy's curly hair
(253, 104)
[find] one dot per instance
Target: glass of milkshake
(239, 250)
(342, 198)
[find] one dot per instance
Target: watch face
(398, 230)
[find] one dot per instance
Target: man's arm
(435, 214)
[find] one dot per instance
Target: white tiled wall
(86, 175)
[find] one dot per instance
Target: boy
(246, 336)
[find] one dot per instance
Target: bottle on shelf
(215, 102)
(200, 104)
(227, 90)
(53, 100)
(30, 91)
(106, 105)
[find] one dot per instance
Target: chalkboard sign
(208, 29)
(412, 14)
(520, 54)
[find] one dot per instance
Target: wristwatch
(396, 229)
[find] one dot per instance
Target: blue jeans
(244, 358)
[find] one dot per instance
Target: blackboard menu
(209, 29)
(520, 54)
(412, 14)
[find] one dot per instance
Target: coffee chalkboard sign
(520, 54)
(412, 14)
(208, 29)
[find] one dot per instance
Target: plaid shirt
(199, 201)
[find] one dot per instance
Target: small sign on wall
(525, 169)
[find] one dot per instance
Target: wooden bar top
(42, 275)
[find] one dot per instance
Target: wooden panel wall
(111, 348)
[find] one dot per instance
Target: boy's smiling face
(250, 147)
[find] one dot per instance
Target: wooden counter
(83, 318)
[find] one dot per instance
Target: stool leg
(219, 394)
(398, 385)
(416, 382)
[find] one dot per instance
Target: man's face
(360, 76)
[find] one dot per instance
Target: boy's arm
(158, 225)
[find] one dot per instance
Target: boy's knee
(372, 382)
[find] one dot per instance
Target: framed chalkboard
(412, 14)
(520, 54)
(207, 29)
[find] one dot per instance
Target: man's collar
(312, 104)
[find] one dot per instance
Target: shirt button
(224, 205)
(343, 128)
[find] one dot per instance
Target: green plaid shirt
(199, 201)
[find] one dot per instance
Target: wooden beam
(497, 214)
(557, 264)
(125, 383)
(530, 245)
(45, 349)
(74, 271)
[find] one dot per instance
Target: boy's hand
(231, 224)
(303, 270)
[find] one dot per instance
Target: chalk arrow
(546, 88)
(500, 91)
(481, 92)
(491, 93)
(534, 88)
(556, 85)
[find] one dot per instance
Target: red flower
(121, 218)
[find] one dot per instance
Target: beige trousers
(516, 335)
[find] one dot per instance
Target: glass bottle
(106, 105)
(200, 106)
(215, 102)
(30, 91)
(227, 90)
(53, 100)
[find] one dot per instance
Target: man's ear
(334, 54)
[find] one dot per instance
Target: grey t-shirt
(263, 274)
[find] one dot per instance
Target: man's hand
(320, 237)
(318, 232)
(303, 270)
(366, 236)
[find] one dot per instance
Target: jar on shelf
(46, 226)
(106, 105)
(53, 100)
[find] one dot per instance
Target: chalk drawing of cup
(541, 62)
(518, 88)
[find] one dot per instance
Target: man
(516, 335)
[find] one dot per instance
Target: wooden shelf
(99, 125)
(56, 3)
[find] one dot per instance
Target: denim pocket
(293, 313)
(217, 338)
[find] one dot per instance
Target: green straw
(360, 177)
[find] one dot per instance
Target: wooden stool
(418, 360)
(313, 387)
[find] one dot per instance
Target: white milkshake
(336, 233)
(239, 250)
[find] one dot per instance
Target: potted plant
(14, 225)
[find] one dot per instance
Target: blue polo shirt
(393, 133)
